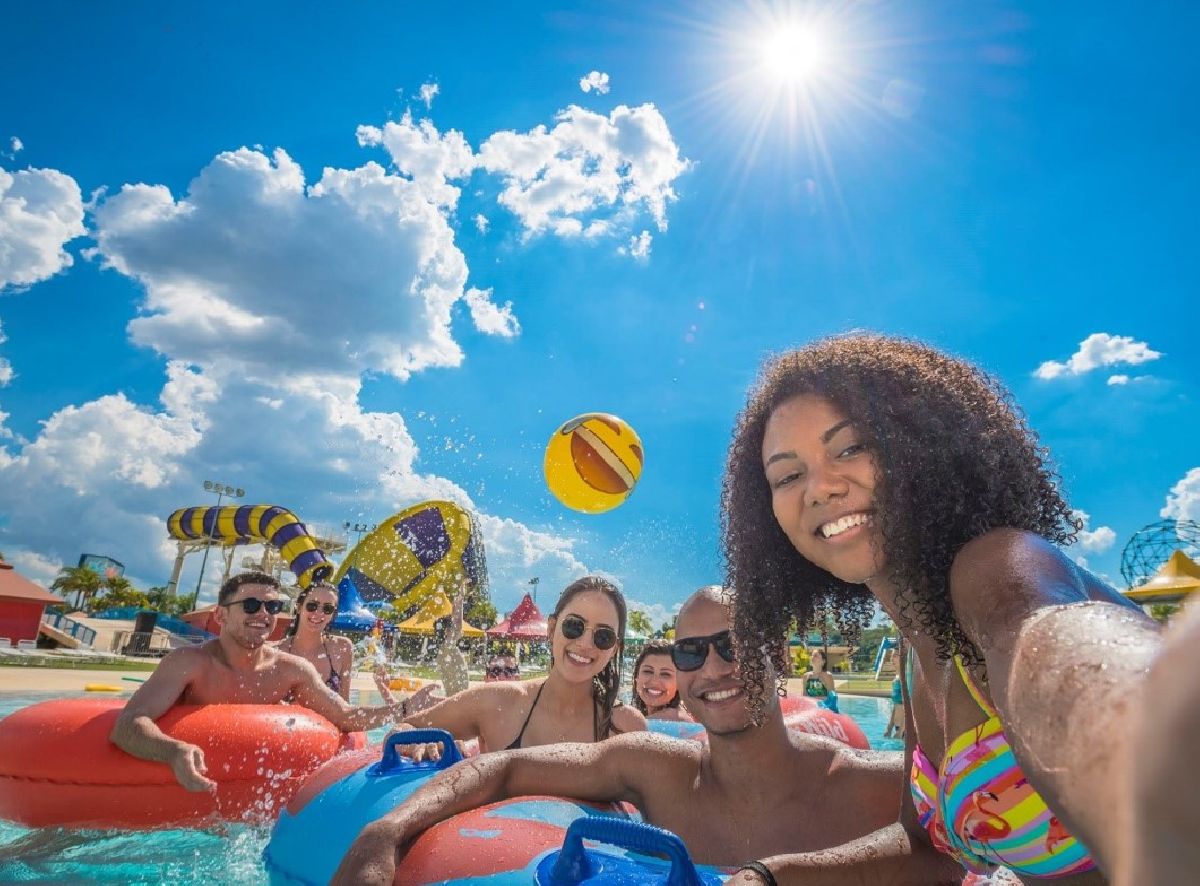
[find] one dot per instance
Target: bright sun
(796, 54)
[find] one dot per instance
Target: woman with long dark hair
(655, 692)
(867, 469)
(308, 637)
(577, 700)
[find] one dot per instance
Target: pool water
(231, 854)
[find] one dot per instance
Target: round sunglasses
(327, 608)
(603, 638)
(251, 605)
(690, 653)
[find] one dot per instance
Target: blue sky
(411, 297)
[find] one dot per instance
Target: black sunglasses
(690, 653)
(251, 605)
(327, 608)
(602, 638)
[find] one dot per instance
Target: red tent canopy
(526, 622)
(15, 586)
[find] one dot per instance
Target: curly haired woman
(874, 470)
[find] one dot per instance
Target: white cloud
(425, 156)
(358, 272)
(588, 170)
(34, 567)
(6, 370)
(1118, 380)
(1183, 501)
(427, 92)
(517, 553)
(638, 246)
(481, 223)
(41, 210)
(595, 80)
(15, 145)
(490, 318)
(1094, 541)
(1097, 350)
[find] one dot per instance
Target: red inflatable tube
(58, 768)
(805, 715)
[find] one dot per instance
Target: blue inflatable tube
(307, 844)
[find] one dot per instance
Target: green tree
(160, 599)
(120, 594)
(80, 581)
(1162, 612)
(639, 623)
(666, 631)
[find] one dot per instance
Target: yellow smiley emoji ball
(593, 462)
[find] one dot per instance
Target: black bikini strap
(516, 742)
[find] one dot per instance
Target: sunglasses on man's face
(690, 653)
(499, 671)
(327, 608)
(251, 605)
(602, 638)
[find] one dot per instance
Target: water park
(583, 444)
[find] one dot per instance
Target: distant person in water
(655, 692)
(237, 667)
(309, 637)
(746, 793)
(577, 701)
(818, 682)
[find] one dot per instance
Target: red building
(21, 604)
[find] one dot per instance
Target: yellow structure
(1175, 580)
(436, 607)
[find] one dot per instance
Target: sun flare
(796, 53)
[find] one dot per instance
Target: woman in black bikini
(332, 656)
(577, 701)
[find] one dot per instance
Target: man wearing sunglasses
(750, 792)
(238, 667)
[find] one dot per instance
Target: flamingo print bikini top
(980, 810)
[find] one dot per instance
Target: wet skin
(822, 479)
(238, 667)
(494, 712)
(750, 791)
(310, 641)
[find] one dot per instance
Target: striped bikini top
(980, 810)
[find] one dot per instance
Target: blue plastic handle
(573, 865)
(391, 762)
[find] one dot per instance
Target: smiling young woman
(867, 469)
(308, 638)
(577, 701)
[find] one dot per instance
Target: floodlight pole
(221, 490)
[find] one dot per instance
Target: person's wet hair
(607, 683)
(235, 582)
(652, 647)
(954, 459)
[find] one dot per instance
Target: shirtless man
(747, 794)
(238, 667)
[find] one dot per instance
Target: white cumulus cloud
(490, 318)
(596, 80)
(658, 613)
(1097, 350)
(41, 210)
(6, 370)
(590, 173)
(1094, 541)
(638, 246)
(427, 92)
(1183, 501)
(481, 223)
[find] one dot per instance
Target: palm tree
(80, 581)
(639, 623)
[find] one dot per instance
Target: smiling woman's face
(655, 681)
(579, 659)
(324, 598)
(822, 480)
